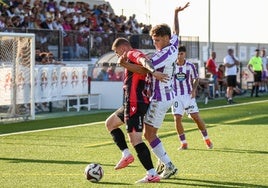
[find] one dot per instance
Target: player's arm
(229, 65)
(176, 27)
(250, 68)
(147, 67)
(122, 60)
(195, 85)
(148, 64)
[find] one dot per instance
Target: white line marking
(49, 129)
(95, 123)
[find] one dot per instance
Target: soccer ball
(94, 172)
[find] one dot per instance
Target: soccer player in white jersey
(162, 97)
(185, 85)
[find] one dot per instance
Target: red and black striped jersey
(135, 84)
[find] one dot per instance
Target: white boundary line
(95, 123)
(49, 129)
(227, 106)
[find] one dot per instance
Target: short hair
(230, 50)
(160, 30)
(120, 41)
(182, 49)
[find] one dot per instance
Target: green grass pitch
(54, 152)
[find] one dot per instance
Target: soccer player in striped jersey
(136, 102)
(162, 98)
(185, 86)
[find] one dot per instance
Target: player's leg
(135, 130)
(153, 120)
(178, 111)
(202, 127)
(112, 123)
(180, 131)
(144, 155)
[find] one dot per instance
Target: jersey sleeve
(134, 55)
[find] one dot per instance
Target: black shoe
(230, 101)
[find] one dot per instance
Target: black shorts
(133, 116)
(257, 76)
(231, 81)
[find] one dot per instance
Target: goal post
(17, 83)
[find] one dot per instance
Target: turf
(47, 157)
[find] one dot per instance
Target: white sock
(151, 172)
(161, 154)
(126, 152)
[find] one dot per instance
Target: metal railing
(77, 46)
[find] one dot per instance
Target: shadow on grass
(209, 183)
(19, 160)
(165, 135)
(230, 150)
(112, 183)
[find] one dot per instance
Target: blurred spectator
(103, 74)
(204, 89)
(255, 67)
(264, 84)
(44, 58)
(221, 78)
(211, 66)
(2, 22)
(38, 57)
(68, 39)
(52, 60)
(230, 63)
(47, 24)
(113, 74)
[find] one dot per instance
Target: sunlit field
(54, 152)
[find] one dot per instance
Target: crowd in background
(76, 20)
(64, 16)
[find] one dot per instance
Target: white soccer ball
(94, 172)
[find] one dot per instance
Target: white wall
(111, 93)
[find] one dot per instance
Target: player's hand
(161, 76)
(122, 59)
(178, 9)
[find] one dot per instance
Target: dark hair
(182, 49)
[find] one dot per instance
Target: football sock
(126, 152)
(159, 151)
(119, 139)
(205, 134)
(151, 172)
(182, 138)
(144, 156)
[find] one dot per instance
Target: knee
(194, 116)
(109, 124)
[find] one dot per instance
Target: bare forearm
(176, 26)
(134, 68)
